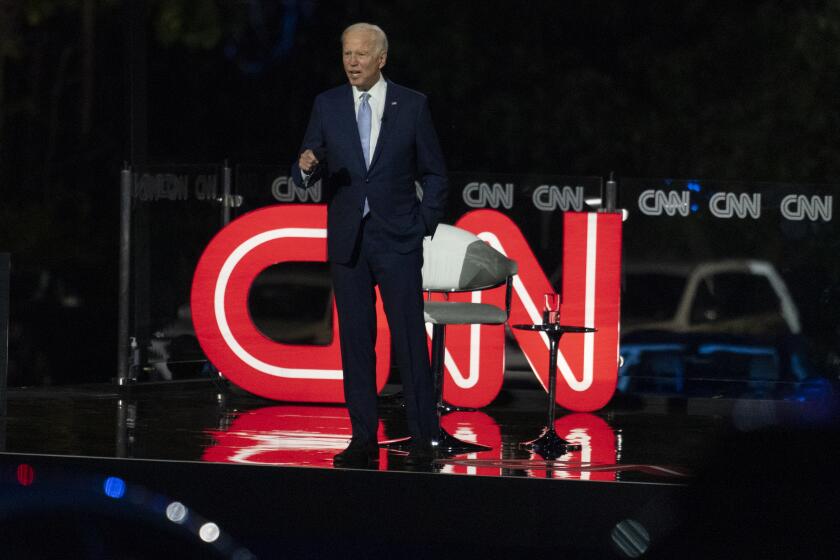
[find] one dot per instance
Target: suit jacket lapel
(389, 118)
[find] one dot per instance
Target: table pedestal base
(549, 445)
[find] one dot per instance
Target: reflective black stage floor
(689, 477)
(195, 422)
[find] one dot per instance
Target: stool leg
(438, 353)
(445, 443)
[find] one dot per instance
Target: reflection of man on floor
(368, 141)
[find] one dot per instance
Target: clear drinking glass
(551, 310)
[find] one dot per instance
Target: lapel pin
(393, 102)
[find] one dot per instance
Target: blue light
(737, 349)
(632, 353)
(694, 186)
(114, 487)
(798, 367)
(695, 207)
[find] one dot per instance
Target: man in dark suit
(369, 141)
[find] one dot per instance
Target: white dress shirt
(377, 109)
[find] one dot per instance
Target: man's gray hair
(380, 37)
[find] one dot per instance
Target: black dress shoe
(420, 454)
(358, 454)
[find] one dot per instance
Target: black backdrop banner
(701, 258)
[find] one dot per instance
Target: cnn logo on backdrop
(474, 359)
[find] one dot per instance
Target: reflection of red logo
(597, 446)
(474, 427)
(302, 435)
(305, 435)
(587, 364)
(286, 435)
(594, 461)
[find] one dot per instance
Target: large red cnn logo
(223, 325)
(474, 359)
(587, 363)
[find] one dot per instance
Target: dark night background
(718, 90)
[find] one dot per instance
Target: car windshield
(651, 296)
(733, 295)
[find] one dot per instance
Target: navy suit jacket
(407, 150)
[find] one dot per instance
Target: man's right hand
(307, 161)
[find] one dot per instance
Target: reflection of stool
(455, 260)
(549, 445)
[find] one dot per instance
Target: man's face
(362, 59)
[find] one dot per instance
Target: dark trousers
(400, 285)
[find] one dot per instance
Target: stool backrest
(456, 260)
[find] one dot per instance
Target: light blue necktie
(363, 121)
